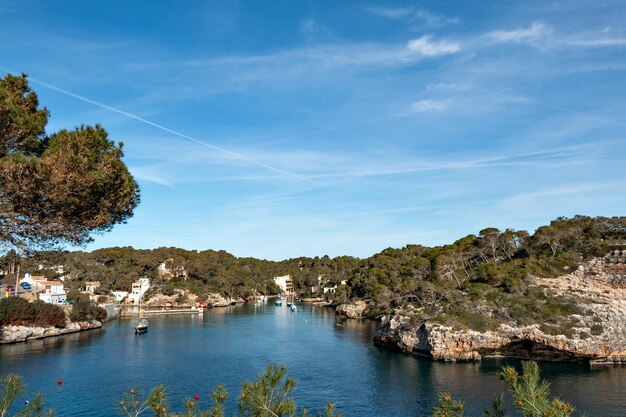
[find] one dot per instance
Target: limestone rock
(600, 336)
(13, 334)
(357, 309)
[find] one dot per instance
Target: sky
(279, 129)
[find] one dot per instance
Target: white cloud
(599, 42)
(429, 105)
(534, 31)
(435, 18)
(427, 47)
(151, 175)
(465, 86)
(429, 17)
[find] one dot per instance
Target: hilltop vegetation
(476, 282)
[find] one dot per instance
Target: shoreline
(21, 334)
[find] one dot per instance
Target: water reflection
(331, 358)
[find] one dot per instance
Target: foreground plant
(531, 394)
(270, 396)
(267, 396)
(11, 387)
(531, 397)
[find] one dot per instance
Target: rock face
(13, 334)
(355, 310)
(600, 336)
(444, 343)
(213, 300)
(218, 300)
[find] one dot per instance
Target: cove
(331, 359)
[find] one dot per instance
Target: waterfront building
(119, 296)
(53, 292)
(139, 289)
(329, 293)
(285, 283)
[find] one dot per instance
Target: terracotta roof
(52, 283)
(38, 277)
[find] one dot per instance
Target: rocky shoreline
(17, 334)
(605, 305)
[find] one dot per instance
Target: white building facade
(139, 289)
(53, 292)
(285, 283)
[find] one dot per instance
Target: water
(191, 355)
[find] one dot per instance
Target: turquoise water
(192, 354)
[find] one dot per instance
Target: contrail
(164, 128)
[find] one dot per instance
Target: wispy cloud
(219, 149)
(428, 47)
(412, 13)
(308, 25)
(577, 190)
(534, 31)
(599, 42)
(429, 105)
(453, 86)
(151, 175)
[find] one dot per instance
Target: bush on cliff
(83, 310)
(18, 311)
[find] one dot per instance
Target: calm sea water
(193, 354)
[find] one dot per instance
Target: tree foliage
(59, 188)
(476, 282)
(18, 311)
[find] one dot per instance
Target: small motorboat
(294, 308)
(279, 303)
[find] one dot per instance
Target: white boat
(200, 307)
(294, 308)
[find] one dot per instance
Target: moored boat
(142, 323)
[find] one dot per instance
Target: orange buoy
(59, 381)
(197, 397)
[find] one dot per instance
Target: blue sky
(289, 128)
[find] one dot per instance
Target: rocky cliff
(599, 335)
(13, 334)
(355, 310)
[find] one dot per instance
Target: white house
(53, 292)
(119, 296)
(139, 289)
(285, 284)
(35, 281)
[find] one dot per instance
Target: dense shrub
(83, 310)
(18, 311)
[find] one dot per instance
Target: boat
(200, 307)
(142, 323)
(141, 326)
(294, 308)
(279, 303)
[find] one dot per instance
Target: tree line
(479, 280)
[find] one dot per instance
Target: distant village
(35, 285)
